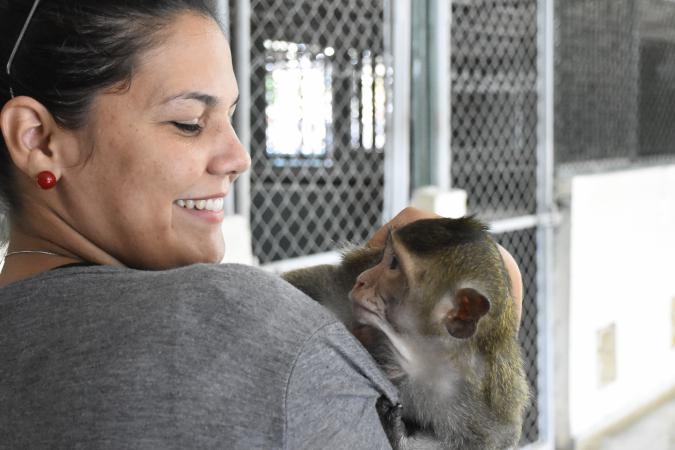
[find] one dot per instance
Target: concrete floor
(653, 431)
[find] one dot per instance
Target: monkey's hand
(390, 416)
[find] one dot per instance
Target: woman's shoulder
(245, 294)
(234, 311)
(196, 277)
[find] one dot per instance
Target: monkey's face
(380, 293)
(432, 294)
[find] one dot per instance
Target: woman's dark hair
(74, 49)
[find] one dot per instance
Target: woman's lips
(207, 208)
(210, 216)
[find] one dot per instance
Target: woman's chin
(209, 256)
(214, 256)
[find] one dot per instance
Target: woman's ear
(34, 140)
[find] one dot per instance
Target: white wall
(237, 236)
(622, 272)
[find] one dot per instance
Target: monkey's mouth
(364, 315)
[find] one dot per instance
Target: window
(299, 100)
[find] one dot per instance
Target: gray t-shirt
(204, 356)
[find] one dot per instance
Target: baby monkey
(435, 309)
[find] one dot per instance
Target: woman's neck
(25, 257)
(18, 267)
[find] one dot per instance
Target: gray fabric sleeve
(223, 357)
(331, 395)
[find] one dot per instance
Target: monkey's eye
(393, 264)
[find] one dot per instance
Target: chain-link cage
(319, 93)
(494, 137)
(494, 105)
(596, 76)
(656, 108)
(614, 80)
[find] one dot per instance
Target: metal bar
(439, 92)
(242, 36)
(540, 445)
(524, 222)
(302, 261)
(421, 150)
(397, 152)
(222, 9)
(545, 208)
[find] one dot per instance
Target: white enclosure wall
(622, 294)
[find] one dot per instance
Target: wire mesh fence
(318, 181)
(319, 97)
(494, 105)
(614, 84)
(615, 80)
(494, 139)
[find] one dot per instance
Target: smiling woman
(117, 151)
(146, 143)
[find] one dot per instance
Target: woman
(117, 152)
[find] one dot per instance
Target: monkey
(435, 310)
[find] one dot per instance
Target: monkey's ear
(469, 306)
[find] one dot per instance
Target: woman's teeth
(212, 204)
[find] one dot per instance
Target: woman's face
(163, 154)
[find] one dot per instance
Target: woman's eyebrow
(206, 99)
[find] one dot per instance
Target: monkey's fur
(459, 373)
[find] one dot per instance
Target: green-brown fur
(467, 255)
(330, 284)
(448, 252)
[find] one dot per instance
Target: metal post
(222, 9)
(545, 208)
(430, 94)
(420, 88)
(242, 53)
(223, 15)
(439, 92)
(397, 156)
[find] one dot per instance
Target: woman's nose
(232, 157)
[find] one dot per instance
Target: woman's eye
(190, 128)
(393, 264)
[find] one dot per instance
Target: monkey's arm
(330, 284)
(327, 284)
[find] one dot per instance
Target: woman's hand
(407, 215)
(411, 214)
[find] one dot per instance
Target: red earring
(46, 179)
